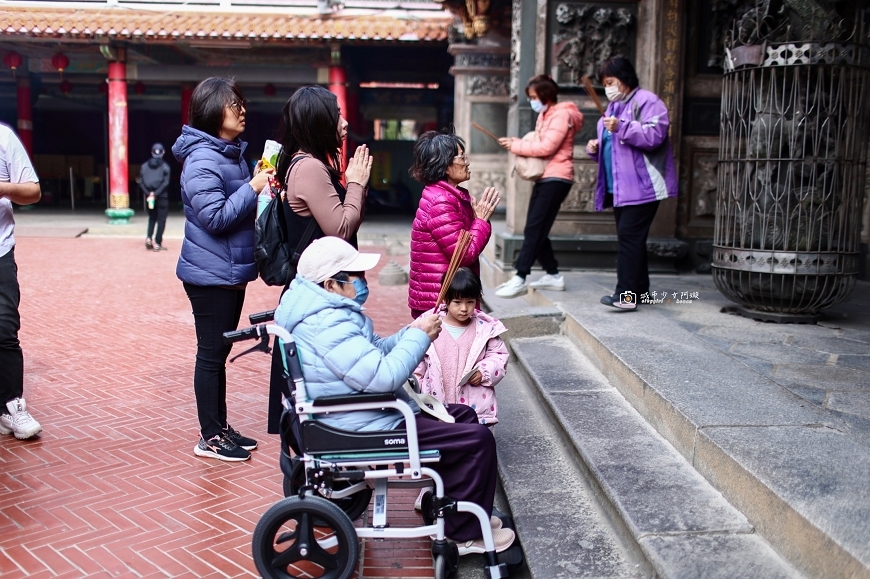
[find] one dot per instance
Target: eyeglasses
(237, 105)
(463, 157)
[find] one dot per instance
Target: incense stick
(590, 90)
(459, 250)
(484, 131)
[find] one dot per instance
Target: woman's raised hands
(359, 167)
(489, 200)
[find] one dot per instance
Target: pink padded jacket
(556, 128)
(444, 211)
(488, 353)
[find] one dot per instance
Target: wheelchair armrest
(353, 399)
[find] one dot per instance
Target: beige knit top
(310, 192)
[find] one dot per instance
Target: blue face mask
(537, 106)
(362, 290)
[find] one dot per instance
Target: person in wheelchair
(341, 355)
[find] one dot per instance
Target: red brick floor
(111, 488)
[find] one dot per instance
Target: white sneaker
(549, 282)
(514, 287)
(18, 421)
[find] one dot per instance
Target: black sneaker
(615, 302)
(221, 448)
(243, 441)
(148, 244)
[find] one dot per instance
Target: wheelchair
(333, 475)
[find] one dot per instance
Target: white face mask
(537, 106)
(612, 93)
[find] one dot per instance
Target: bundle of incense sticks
(458, 253)
(590, 90)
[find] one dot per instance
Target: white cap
(327, 256)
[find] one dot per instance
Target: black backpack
(275, 261)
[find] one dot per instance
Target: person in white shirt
(18, 184)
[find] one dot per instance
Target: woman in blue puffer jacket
(217, 256)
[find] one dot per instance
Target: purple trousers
(468, 464)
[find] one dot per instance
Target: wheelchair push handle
(262, 317)
(250, 333)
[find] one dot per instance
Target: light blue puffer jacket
(341, 354)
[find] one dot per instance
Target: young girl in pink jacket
(467, 360)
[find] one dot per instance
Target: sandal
(503, 539)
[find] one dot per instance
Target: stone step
(798, 472)
(683, 526)
(565, 531)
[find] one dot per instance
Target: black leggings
(215, 310)
(632, 228)
(544, 205)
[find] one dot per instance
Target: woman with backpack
(316, 203)
(217, 254)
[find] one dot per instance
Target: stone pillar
(481, 95)
(119, 212)
(25, 113)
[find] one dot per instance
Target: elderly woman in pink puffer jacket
(445, 210)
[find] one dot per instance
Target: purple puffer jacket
(444, 211)
(643, 162)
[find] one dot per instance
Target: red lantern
(139, 88)
(66, 87)
(60, 62)
(269, 89)
(13, 60)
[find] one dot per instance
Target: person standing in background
(154, 184)
(19, 184)
(216, 261)
(635, 173)
(556, 126)
(312, 132)
(445, 210)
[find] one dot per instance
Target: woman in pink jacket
(445, 210)
(557, 124)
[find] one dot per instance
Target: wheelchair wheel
(353, 506)
(445, 554)
(443, 570)
(309, 537)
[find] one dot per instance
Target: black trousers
(632, 229)
(468, 464)
(544, 205)
(158, 216)
(215, 310)
(11, 357)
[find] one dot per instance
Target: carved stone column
(481, 95)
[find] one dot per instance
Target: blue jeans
(11, 357)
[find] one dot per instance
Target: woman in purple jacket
(217, 255)
(635, 172)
